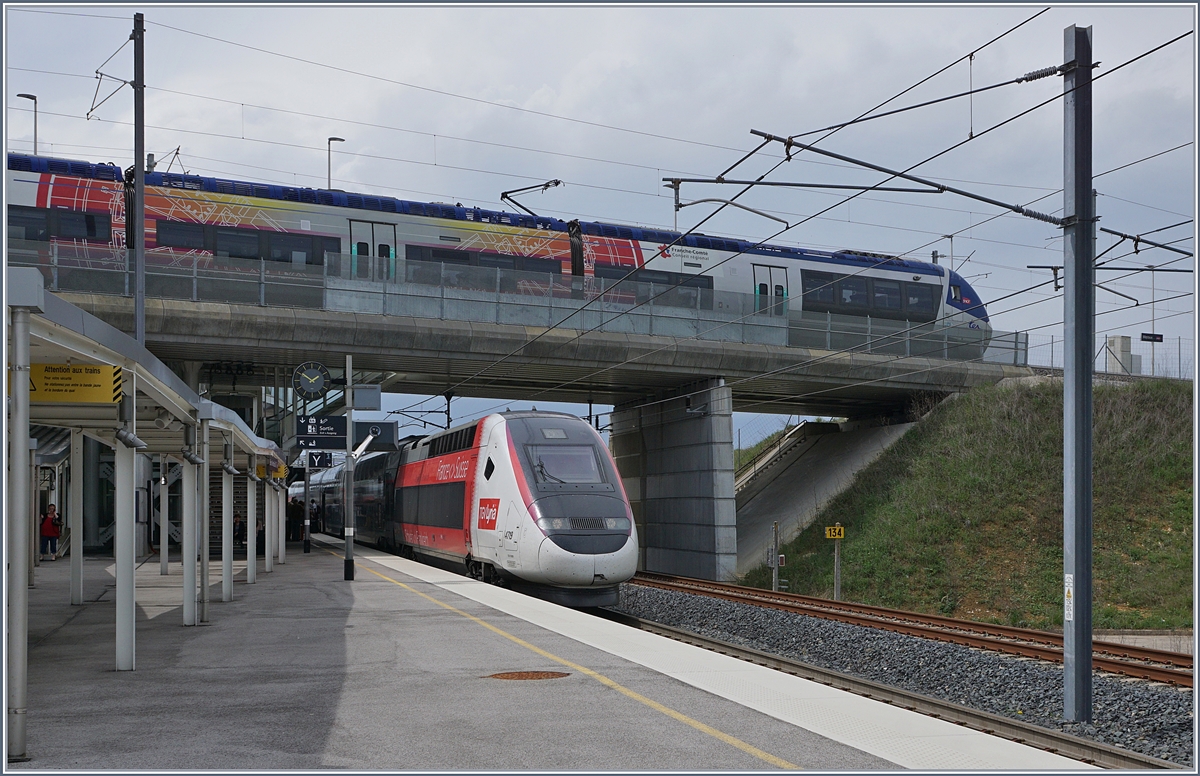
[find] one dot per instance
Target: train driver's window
(489, 469)
(956, 293)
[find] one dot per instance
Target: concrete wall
(799, 489)
(676, 461)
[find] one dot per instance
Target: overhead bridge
(674, 362)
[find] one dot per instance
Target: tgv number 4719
(529, 499)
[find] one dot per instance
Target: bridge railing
(498, 295)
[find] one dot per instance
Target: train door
(373, 246)
(510, 536)
(770, 290)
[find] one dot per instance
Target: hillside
(963, 516)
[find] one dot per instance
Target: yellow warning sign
(74, 384)
(835, 532)
(278, 473)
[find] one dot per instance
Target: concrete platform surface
(393, 671)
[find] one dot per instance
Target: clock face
(311, 380)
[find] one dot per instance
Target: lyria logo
(489, 510)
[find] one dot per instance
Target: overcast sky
(457, 104)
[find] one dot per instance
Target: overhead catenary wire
(735, 197)
(788, 228)
(788, 143)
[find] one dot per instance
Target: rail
(1155, 665)
(1076, 748)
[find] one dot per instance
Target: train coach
(213, 223)
(531, 500)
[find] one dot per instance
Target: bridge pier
(675, 456)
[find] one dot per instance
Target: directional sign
(320, 425)
(835, 532)
(318, 432)
(315, 460)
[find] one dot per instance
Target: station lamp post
(328, 159)
(34, 98)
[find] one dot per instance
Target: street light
(34, 98)
(329, 159)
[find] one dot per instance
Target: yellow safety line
(735, 742)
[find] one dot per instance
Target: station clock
(311, 380)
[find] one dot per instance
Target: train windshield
(565, 464)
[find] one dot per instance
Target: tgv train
(215, 223)
(528, 499)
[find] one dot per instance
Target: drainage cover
(529, 675)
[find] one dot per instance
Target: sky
(459, 103)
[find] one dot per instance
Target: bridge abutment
(675, 456)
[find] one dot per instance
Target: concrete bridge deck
(429, 355)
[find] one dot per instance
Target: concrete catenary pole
(1079, 328)
(18, 534)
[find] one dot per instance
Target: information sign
(835, 532)
(1148, 337)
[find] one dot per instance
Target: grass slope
(963, 515)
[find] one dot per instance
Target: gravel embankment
(1151, 719)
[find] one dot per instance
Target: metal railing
(435, 290)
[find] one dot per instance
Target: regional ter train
(218, 224)
(531, 500)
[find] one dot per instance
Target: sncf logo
(489, 510)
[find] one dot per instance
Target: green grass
(963, 515)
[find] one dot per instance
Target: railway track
(1050, 740)
(1140, 662)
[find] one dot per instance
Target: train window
(489, 469)
(293, 248)
(921, 303)
(385, 251)
(237, 243)
(564, 464)
(852, 292)
(173, 234)
(956, 293)
(887, 295)
(450, 256)
(83, 226)
(362, 248)
(818, 289)
(27, 223)
(760, 299)
(492, 260)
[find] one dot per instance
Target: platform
(393, 671)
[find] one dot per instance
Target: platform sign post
(307, 537)
(837, 533)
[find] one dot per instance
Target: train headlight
(616, 523)
(554, 523)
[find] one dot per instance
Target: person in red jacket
(51, 530)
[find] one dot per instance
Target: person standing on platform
(51, 529)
